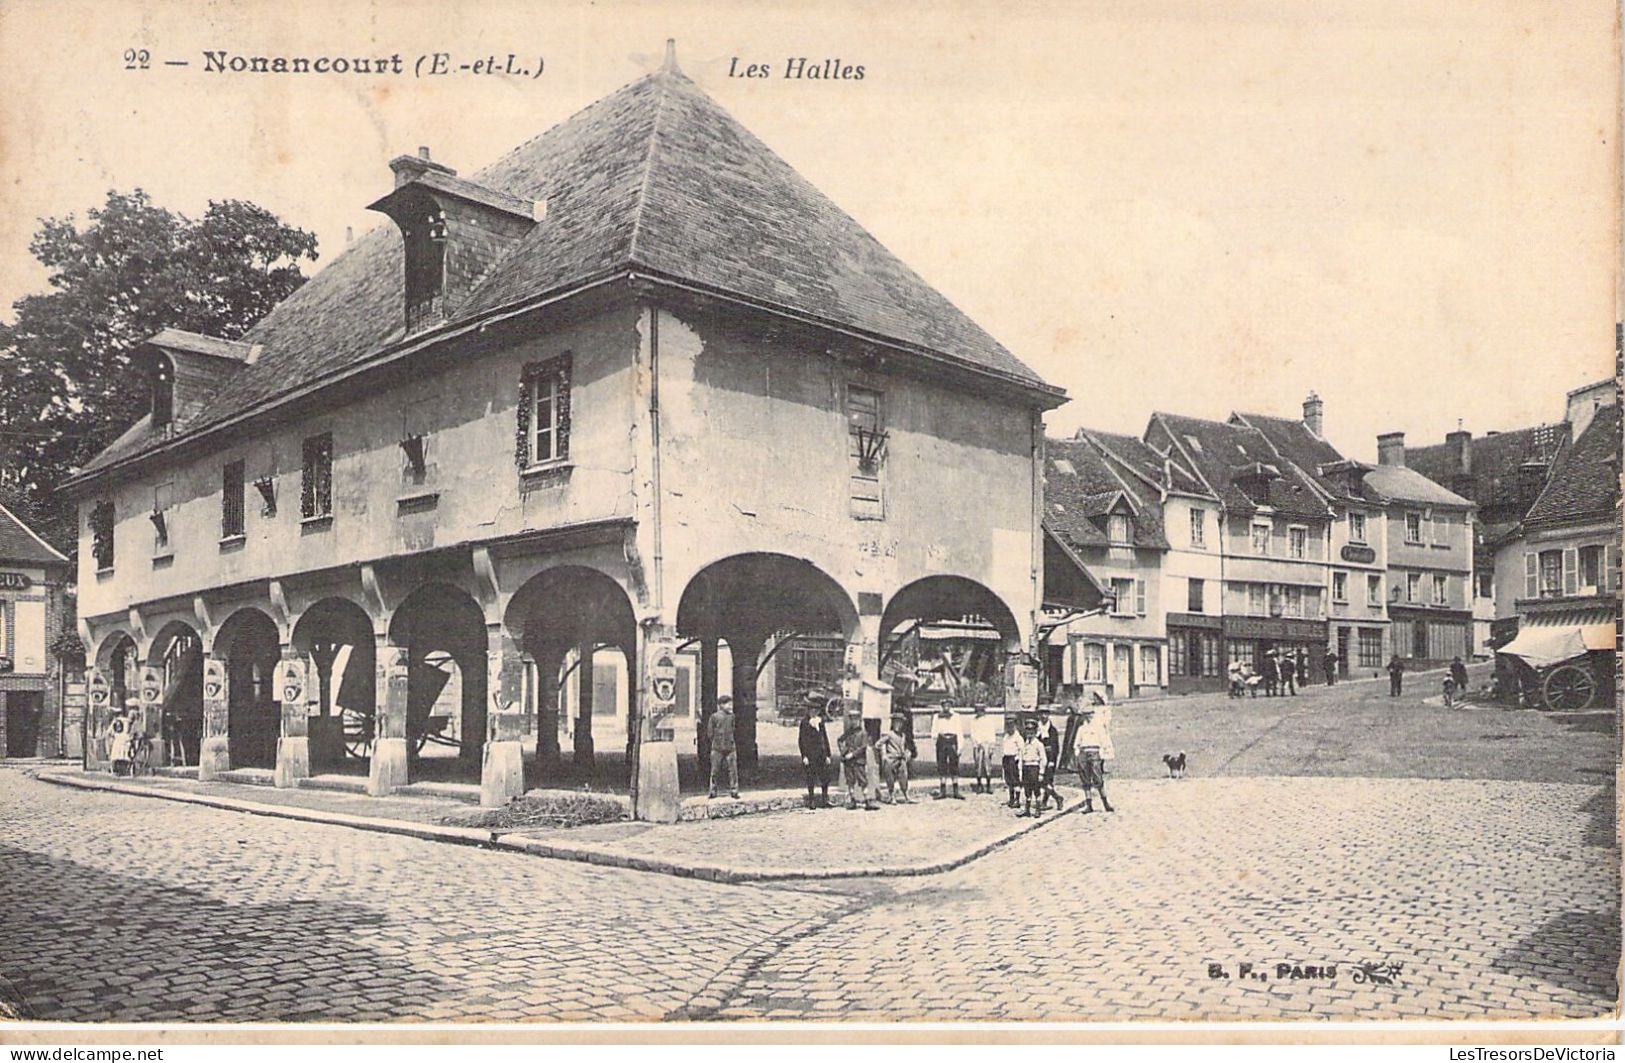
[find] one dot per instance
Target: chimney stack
(411, 167)
(1314, 414)
(1391, 449)
(1460, 443)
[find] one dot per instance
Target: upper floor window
(1356, 527)
(1118, 528)
(1198, 528)
(232, 482)
(1373, 590)
(1441, 589)
(1486, 583)
(1551, 573)
(1195, 595)
(1413, 527)
(1413, 587)
(1298, 541)
(1255, 599)
(1340, 586)
(544, 412)
(866, 449)
(1591, 572)
(101, 535)
(316, 478)
(1261, 539)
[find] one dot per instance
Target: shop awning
(1546, 644)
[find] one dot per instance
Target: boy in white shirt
(982, 734)
(1011, 750)
(1094, 749)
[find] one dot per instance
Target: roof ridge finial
(670, 65)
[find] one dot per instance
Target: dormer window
(1119, 529)
(426, 270)
(163, 392)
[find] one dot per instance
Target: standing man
(1289, 675)
(983, 732)
(724, 753)
(854, 750)
(946, 731)
(1331, 666)
(1272, 674)
(1052, 750)
(1011, 760)
(813, 738)
(1458, 672)
(1301, 659)
(1396, 676)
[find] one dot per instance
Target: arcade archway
(177, 654)
(746, 600)
(336, 636)
(442, 629)
(953, 635)
(250, 644)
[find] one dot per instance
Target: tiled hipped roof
(1584, 484)
(1494, 480)
(655, 177)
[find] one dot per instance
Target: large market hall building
(635, 387)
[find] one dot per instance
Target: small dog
(1175, 763)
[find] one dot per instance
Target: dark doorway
(23, 709)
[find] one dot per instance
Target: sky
(1411, 209)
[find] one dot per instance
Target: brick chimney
(1460, 443)
(1391, 449)
(1314, 414)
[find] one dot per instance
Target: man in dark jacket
(1396, 676)
(1458, 672)
(724, 753)
(814, 742)
(1331, 667)
(1271, 671)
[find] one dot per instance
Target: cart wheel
(1569, 688)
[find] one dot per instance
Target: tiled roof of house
(1396, 483)
(655, 177)
(1494, 481)
(1143, 459)
(20, 546)
(1309, 452)
(1584, 484)
(1079, 491)
(1223, 453)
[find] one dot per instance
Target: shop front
(1431, 634)
(1195, 653)
(1250, 639)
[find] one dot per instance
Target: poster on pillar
(661, 655)
(290, 686)
(152, 698)
(1021, 686)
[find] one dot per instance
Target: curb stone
(488, 839)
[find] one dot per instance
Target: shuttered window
(543, 431)
(866, 440)
(316, 478)
(231, 500)
(101, 535)
(1139, 596)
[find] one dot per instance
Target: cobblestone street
(1494, 896)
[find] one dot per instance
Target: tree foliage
(67, 384)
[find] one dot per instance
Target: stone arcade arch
(249, 644)
(744, 600)
(109, 689)
(562, 618)
(176, 656)
(987, 633)
(336, 636)
(441, 630)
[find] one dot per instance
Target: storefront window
(1370, 647)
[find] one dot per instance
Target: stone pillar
(746, 648)
(548, 663)
(655, 793)
(97, 710)
(214, 752)
(584, 683)
(708, 703)
(293, 743)
(388, 768)
(151, 716)
(502, 765)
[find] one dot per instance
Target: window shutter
(521, 446)
(1610, 567)
(1139, 596)
(1531, 577)
(565, 363)
(1571, 570)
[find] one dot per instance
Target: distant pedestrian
(724, 751)
(1289, 675)
(813, 739)
(1458, 672)
(1238, 680)
(854, 750)
(1033, 758)
(1396, 676)
(894, 754)
(1331, 667)
(1093, 750)
(1272, 674)
(1052, 746)
(118, 747)
(1011, 760)
(982, 729)
(1301, 660)
(945, 728)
